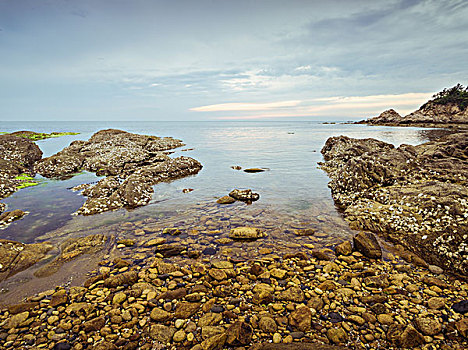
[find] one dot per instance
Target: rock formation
(131, 163)
(416, 196)
(448, 108)
(17, 155)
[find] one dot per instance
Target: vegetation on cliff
(456, 95)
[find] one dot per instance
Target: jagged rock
(416, 196)
(301, 319)
(239, 333)
(17, 156)
(367, 245)
(19, 150)
(344, 248)
(442, 111)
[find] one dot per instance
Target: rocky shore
(447, 109)
(416, 196)
(349, 299)
(17, 157)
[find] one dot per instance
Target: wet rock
(254, 170)
(168, 250)
(239, 333)
(71, 249)
(131, 163)
(367, 245)
(300, 319)
(16, 257)
(297, 346)
(344, 248)
(10, 216)
(246, 233)
(461, 307)
(428, 326)
(304, 232)
(126, 278)
(225, 200)
(173, 231)
(244, 195)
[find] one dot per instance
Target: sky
(226, 60)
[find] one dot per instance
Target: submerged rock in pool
(71, 249)
(246, 233)
(131, 163)
(225, 200)
(16, 256)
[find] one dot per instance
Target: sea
(289, 151)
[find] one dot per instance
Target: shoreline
(142, 295)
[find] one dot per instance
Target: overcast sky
(205, 60)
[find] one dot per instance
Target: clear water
(293, 186)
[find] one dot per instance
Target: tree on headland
(455, 95)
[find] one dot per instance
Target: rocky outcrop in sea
(132, 164)
(448, 109)
(415, 196)
(17, 156)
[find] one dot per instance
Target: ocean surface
(293, 189)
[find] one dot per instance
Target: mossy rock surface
(36, 136)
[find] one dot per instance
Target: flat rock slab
(16, 256)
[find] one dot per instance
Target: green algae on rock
(132, 164)
(36, 136)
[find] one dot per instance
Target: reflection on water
(290, 150)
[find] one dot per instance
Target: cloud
(347, 107)
(245, 106)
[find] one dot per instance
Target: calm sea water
(291, 150)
